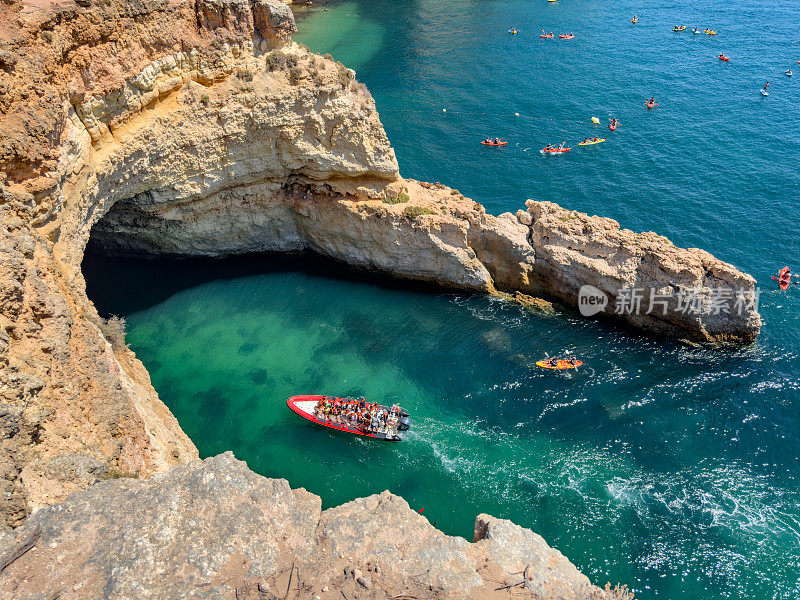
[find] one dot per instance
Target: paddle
(790, 276)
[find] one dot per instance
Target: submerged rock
(536, 305)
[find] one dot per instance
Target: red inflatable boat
(305, 407)
(500, 143)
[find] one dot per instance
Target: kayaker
(585, 140)
(496, 140)
(553, 362)
(487, 141)
(766, 85)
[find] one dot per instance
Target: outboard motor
(404, 423)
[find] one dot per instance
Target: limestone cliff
(92, 95)
(199, 128)
(217, 530)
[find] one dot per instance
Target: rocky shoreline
(200, 129)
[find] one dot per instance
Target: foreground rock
(217, 530)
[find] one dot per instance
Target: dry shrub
(618, 592)
(295, 75)
(399, 199)
(114, 329)
(412, 212)
(244, 74)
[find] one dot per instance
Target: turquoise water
(671, 469)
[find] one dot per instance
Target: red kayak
(548, 35)
(556, 150)
(784, 278)
(501, 143)
(649, 105)
(305, 406)
(723, 57)
(613, 126)
(566, 36)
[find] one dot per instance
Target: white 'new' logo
(591, 300)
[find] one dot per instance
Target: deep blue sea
(671, 469)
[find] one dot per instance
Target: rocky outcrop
(649, 282)
(217, 530)
(441, 236)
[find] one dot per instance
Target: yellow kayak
(591, 143)
(560, 364)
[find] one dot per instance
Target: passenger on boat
(367, 416)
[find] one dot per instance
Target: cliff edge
(217, 530)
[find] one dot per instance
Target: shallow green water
(670, 469)
(673, 470)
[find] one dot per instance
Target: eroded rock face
(574, 249)
(197, 96)
(217, 530)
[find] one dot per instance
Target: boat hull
(304, 406)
